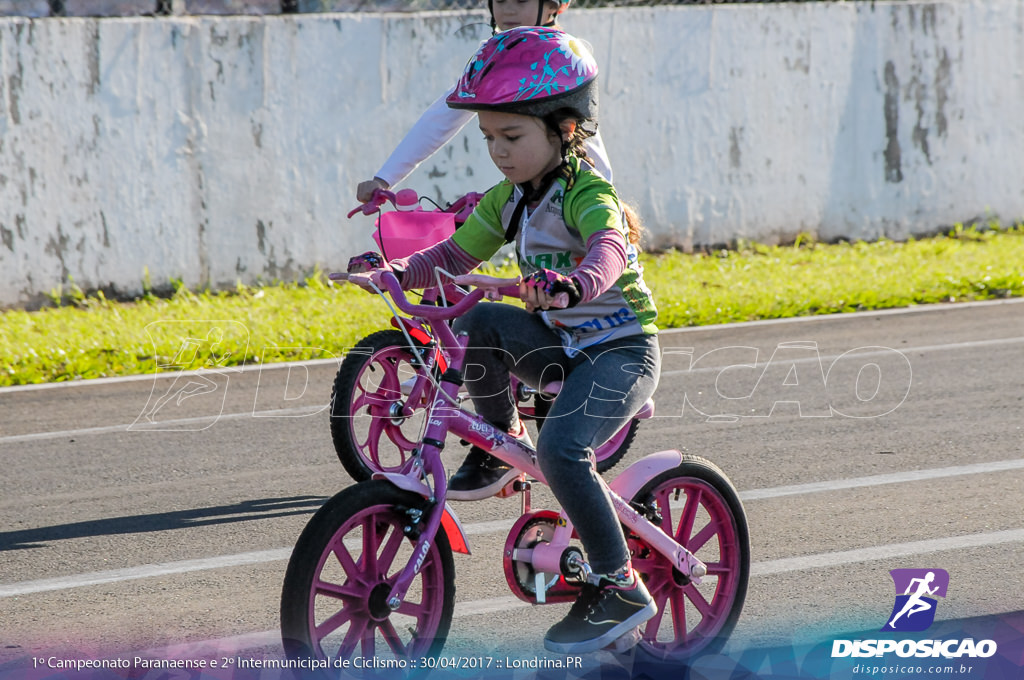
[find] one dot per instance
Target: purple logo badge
(916, 590)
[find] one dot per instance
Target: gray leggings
(603, 387)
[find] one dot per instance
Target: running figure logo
(914, 609)
(190, 388)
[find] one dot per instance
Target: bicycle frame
(445, 417)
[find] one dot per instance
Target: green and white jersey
(553, 236)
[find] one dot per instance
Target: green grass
(91, 337)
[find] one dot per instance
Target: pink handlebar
(504, 287)
(388, 281)
(464, 206)
(378, 198)
(461, 208)
(484, 285)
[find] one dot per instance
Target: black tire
(365, 437)
(333, 599)
(725, 548)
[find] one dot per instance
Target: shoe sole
(613, 634)
(484, 491)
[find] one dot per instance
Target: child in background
(440, 123)
(572, 236)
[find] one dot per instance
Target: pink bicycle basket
(402, 233)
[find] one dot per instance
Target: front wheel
(334, 600)
(696, 504)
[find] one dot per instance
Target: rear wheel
(698, 506)
(370, 433)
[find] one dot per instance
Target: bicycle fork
(431, 445)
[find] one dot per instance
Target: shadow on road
(245, 511)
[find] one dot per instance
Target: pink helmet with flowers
(530, 70)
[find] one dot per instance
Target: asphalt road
(860, 443)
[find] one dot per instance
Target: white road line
(498, 526)
(114, 380)
(881, 552)
(879, 480)
(166, 425)
(829, 358)
(144, 571)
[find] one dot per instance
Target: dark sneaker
(480, 476)
(601, 615)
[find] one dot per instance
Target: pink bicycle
(386, 381)
(372, 574)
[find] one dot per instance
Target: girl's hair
(576, 146)
(635, 224)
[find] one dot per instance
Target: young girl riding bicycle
(535, 92)
(440, 123)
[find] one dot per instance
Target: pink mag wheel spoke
(687, 515)
(653, 625)
(348, 565)
(354, 636)
(679, 618)
(387, 555)
(393, 640)
(368, 644)
(706, 534)
(386, 388)
(368, 564)
(696, 598)
(333, 623)
(345, 593)
(374, 402)
(719, 569)
(379, 395)
(373, 438)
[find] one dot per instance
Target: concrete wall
(218, 149)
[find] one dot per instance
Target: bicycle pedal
(513, 487)
(625, 642)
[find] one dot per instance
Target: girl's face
(512, 13)
(522, 147)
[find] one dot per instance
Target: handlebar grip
(378, 198)
(561, 300)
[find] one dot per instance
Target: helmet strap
(531, 194)
(540, 14)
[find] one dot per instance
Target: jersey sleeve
(593, 206)
(483, 234)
